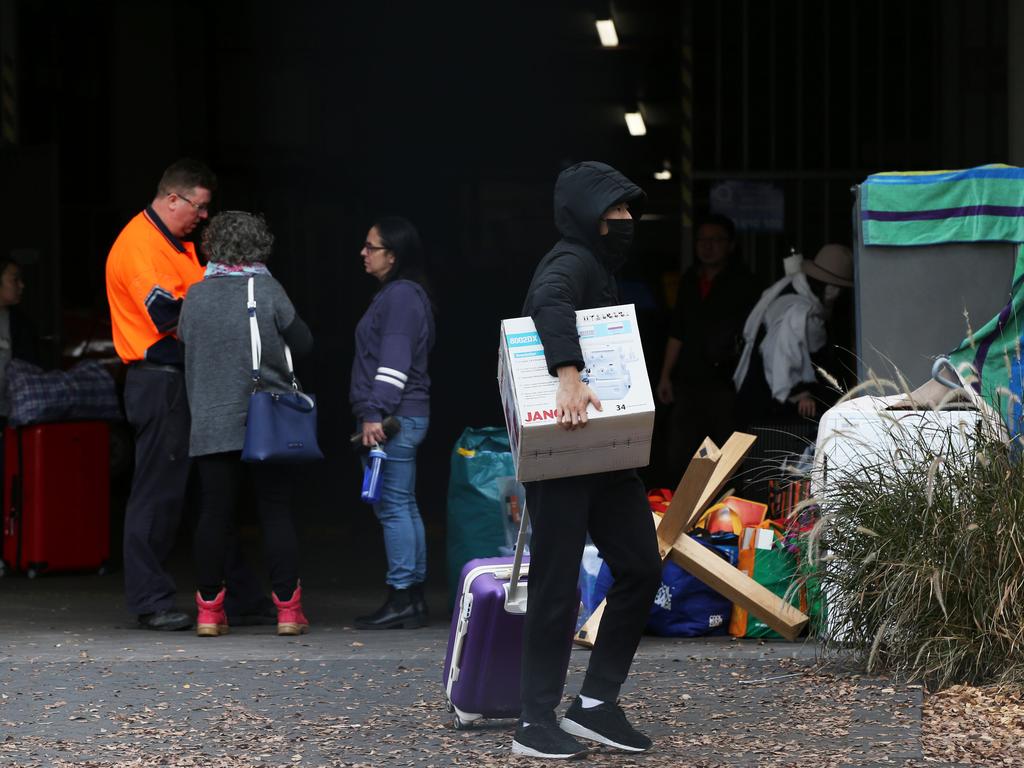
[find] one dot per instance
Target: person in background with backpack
(789, 342)
(389, 378)
(592, 212)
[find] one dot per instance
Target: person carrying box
(592, 214)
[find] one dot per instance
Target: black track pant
(220, 480)
(613, 507)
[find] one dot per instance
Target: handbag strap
(257, 346)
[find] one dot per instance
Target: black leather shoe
(398, 612)
(165, 621)
(420, 602)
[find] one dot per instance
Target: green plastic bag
(481, 466)
(774, 569)
(786, 574)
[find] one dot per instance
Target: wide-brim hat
(832, 265)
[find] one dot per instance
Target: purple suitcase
(482, 665)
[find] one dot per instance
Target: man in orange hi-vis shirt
(149, 270)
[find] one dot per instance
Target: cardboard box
(617, 437)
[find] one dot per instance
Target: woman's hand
(373, 433)
(572, 398)
(806, 406)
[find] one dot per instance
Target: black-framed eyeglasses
(202, 208)
(372, 247)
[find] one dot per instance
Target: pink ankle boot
(211, 621)
(290, 618)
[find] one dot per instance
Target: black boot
(398, 611)
(420, 602)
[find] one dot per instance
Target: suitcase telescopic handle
(515, 594)
(939, 373)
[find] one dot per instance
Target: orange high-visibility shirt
(149, 272)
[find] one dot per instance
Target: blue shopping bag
(684, 606)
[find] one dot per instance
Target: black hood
(582, 193)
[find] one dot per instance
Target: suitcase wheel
(458, 724)
(447, 702)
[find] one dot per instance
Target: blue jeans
(404, 540)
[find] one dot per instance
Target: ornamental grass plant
(920, 551)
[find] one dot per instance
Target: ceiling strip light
(635, 124)
(606, 31)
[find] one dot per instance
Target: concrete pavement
(80, 685)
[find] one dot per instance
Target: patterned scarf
(217, 269)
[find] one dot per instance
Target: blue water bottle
(372, 475)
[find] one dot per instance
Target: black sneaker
(545, 740)
(606, 723)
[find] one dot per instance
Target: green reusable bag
(775, 569)
(481, 466)
(784, 572)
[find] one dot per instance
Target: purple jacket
(393, 339)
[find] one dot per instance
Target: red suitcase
(56, 514)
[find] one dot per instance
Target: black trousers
(156, 406)
(613, 508)
(220, 478)
(157, 409)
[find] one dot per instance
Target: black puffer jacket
(577, 273)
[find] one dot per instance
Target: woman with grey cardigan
(214, 328)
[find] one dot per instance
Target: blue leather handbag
(280, 427)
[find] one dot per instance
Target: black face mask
(618, 241)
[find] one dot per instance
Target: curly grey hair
(237, 237)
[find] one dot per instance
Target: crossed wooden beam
(705, 476)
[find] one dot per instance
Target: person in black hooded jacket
(592, 213)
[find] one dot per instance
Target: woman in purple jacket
(389, 378)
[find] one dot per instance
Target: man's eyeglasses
(202, 208)
(371, 247)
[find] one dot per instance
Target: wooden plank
(731, 455)
(587, 634)
(732, 583)
(689, 492)
(705, 476)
